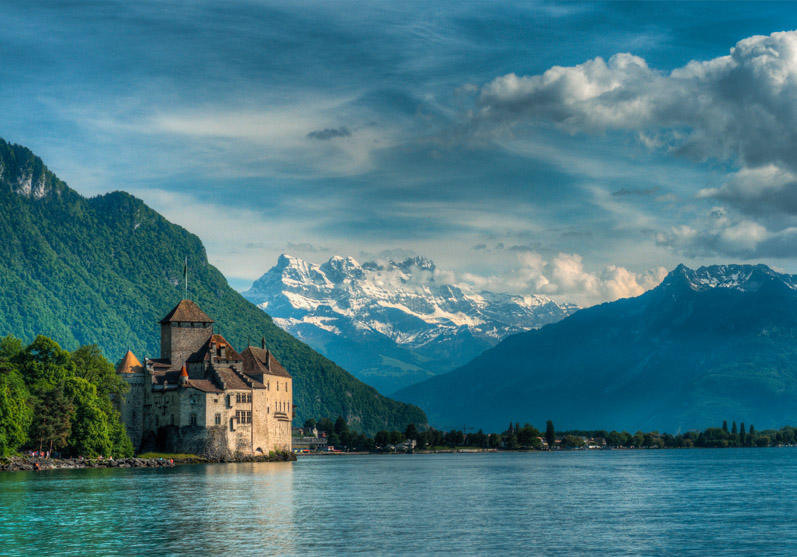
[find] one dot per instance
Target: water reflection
(651, 502)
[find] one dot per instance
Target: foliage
(15, 413)
(527, 437)
(51, 399)
(107, 269)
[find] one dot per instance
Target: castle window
(232, 424)
(218, 419)
(193, 419)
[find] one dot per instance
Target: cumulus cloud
(564, 277)
(739, 109)
(727, 108)
(721, 232)
(758, 191)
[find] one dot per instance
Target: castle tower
(184, 331)
(131, 405)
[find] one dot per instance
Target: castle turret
(131, 404)
(183, 376)
(184, 331)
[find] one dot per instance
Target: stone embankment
(19, 463)
(14, 464)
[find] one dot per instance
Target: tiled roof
(204, 353)
(258, 361)
(187, 311)
(173, 378)
(129, 364)
(232, 379)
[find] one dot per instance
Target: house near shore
(201, 396)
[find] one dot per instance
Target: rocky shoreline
(35, 464)
(15, 464)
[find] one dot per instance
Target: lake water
(714, 502)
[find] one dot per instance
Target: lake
(731, 501)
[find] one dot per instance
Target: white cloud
(741, 107)
(565, 278)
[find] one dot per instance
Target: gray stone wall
(131, 409)
(178, 343)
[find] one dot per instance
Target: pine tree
(550, 434)
(725, 426)
(741, 434)
(733, 427)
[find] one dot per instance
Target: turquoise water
(672, 502)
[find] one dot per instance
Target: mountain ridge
(718, 342)
(106, 269)
(392, 322)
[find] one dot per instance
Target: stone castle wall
(178, 343)
(131, 408)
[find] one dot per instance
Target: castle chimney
(263, 343)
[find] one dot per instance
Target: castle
(203, 397)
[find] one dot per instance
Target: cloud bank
(739, 109)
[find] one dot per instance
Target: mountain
(105, 270)
(392, 324)
(706, 345)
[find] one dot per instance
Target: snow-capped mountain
(744, 278)
(392, 323)
(706, 345)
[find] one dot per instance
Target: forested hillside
(104, 270)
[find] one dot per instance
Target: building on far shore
(202, 396)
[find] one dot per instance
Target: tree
(10, 347)
(382, 438)
(411, 432)
(550, 434)
(733, 428)
(52, 426)
(90, 435)
(725, 426)
(15, 413)
(572, 441)
(92, 366)
(341, 426)
(309, 424)
(44, 364)
(326, 425)
(741, 434)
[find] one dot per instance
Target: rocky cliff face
(392, 323)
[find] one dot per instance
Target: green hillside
(104, 270)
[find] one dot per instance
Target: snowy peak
(395, 305)
(744, 278)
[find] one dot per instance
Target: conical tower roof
(129, 364)
(187, 311)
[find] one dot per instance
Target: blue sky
(576, 150)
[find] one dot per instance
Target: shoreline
(40, 464)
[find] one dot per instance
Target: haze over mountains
(712, 344)
(105, 270)
(392, 323)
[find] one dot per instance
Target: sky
(578, 150)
